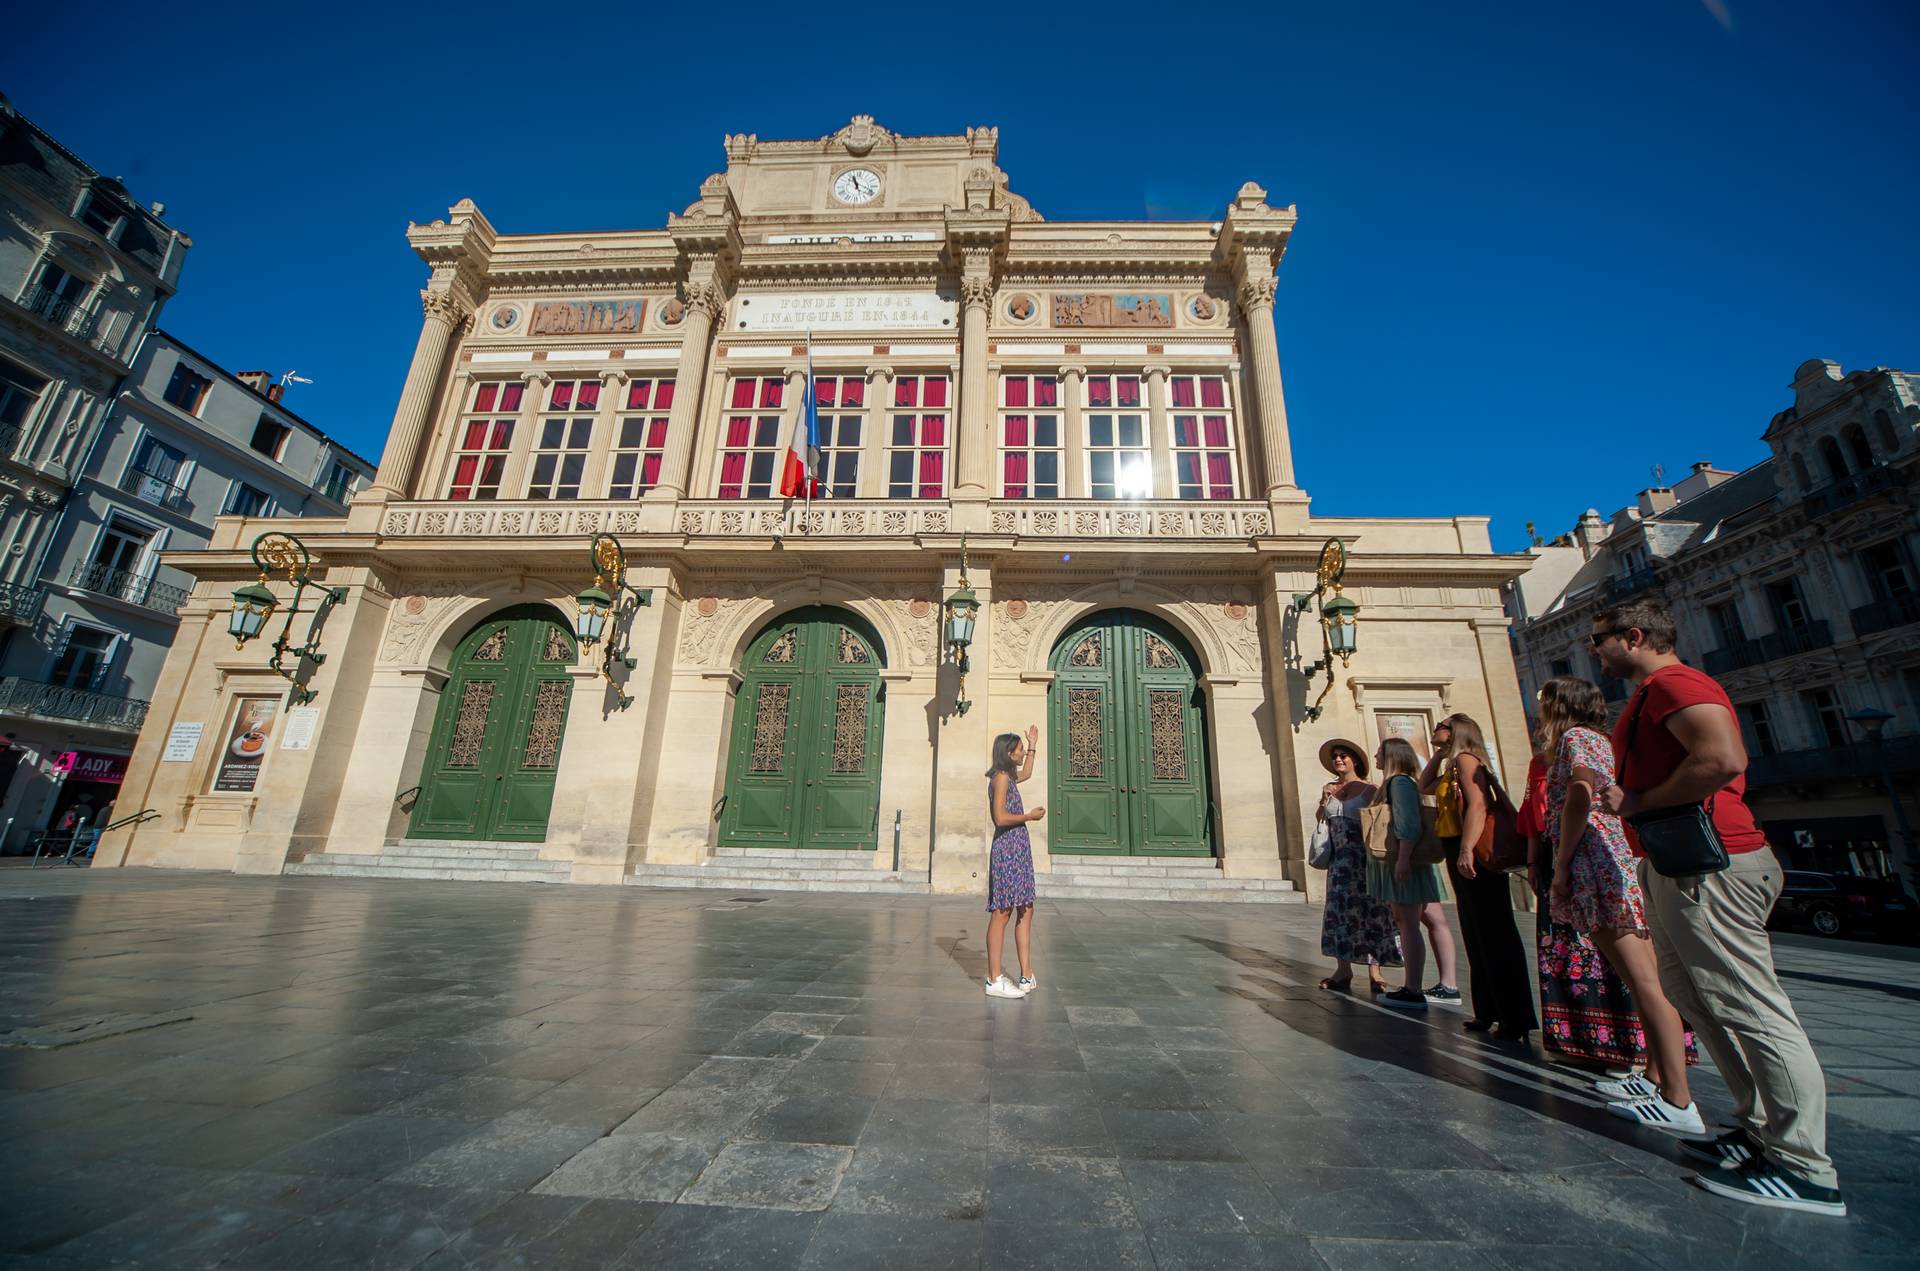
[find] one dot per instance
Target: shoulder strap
(1638, 705)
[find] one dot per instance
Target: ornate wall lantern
(1339, 619)
(253, 606)
(609, 597)
(962, 609)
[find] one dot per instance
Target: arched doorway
(496, 737)
(803, 767)
(1126, 728)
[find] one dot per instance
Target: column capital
(532, 378)
(451, 305)
(1074, 369)
(880, 373)
(1157, 371)
(1257, 293)
(705, 296)
(976, 290)
(614, 377)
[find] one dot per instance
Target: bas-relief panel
(588, 317)
(1224, 610)
(711, 620)
(1084, 309)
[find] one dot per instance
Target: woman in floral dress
(1010, 873)
(1355, 927)
(1595, 895)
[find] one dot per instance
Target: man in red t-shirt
(1678, 743)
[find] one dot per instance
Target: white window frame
(71, 626)
(1032, 449)
(644, 418)
(1201, 448)
(833, 447)
(226, 500)
(944, 447)
(756, 415)
(1137, 483)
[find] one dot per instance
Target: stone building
(1092, 409)
(1795, 584)
(185, 442)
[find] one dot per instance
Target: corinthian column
(704, 301)
(1257, 288)
(445, 313)
(973, 442)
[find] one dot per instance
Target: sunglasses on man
(1599, 638)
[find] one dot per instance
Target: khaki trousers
(1716, 965)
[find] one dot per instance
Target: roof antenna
(1659, 470)
(291, 378)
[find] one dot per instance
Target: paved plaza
(456, 1075)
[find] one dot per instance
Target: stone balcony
(721, 520)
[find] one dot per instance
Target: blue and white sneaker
(1734, 1148)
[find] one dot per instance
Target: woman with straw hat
(1356, 927)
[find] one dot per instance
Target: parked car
(1845, 904)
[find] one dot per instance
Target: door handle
(809, 780)
(501, 777)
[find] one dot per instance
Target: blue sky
(1540, 250)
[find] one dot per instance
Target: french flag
(800, 474)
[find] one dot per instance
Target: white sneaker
(1003, 987)
(1027, 984)
(1661, 1115)
(1631, 1089)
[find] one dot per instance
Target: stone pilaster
(705, 298)
(961, 838)
(1073, 428)
(973, 437)
(1160, 431)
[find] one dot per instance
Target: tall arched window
(1835, 462)
(1889, 438)
(1858, 446)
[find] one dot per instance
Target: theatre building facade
(1080, 423)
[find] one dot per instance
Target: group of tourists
(1653, 882)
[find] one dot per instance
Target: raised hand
(1033, 736)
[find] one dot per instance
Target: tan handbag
(1376, 827)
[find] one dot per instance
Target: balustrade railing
(74, 705)
(130, 587)
(1767, 648)
(21, 603)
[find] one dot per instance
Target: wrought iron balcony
(1886, 614)
(130, 587)
(68, 315)
(72, 705)
(154, 488)
(1778, 644)
(1839, 495)
(21, 603)
(1625, 585)
(1858, 761)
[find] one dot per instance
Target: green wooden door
(496, 737)
(803, 768)
(1127, 735)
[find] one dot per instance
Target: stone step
(453, 848)
(757, 857)
(766, 871)
(321, 867)
(421, 861)
(1218, 882)
(1094, 892)
(1132, 871)
(715, 880)
(1156, 865)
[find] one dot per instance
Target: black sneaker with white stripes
(1735, 1147)
(1761, 1182)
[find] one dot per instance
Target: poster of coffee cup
(246, 744)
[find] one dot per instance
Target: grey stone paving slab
(475, 1076)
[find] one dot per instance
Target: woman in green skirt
(1414, 891)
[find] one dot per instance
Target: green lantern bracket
(253, 607)
(1339, 620)
(961, 609)
(610, 598)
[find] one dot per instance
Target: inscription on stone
(1079, 309)
(588, 317)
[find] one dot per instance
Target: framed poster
(238, 764)
(1413, 726)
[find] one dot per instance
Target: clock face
(856, 185)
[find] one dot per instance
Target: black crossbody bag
(1680, 842)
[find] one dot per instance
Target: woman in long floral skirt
(1355, 927)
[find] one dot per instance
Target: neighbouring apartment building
(1794, 583)
(184, 442)
(1081, 422)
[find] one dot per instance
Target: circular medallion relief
(505, 318)
(708, 606)
(919, 608)
(672, 312)
(1203, 308)
(1016, 609)
(1236, 611)
(1020, 308)
(416, 604)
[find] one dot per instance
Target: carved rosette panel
(470, 725)
(1167, 733)
(850, 728)
(770, 727)
(543, 732)
(1083, 732)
